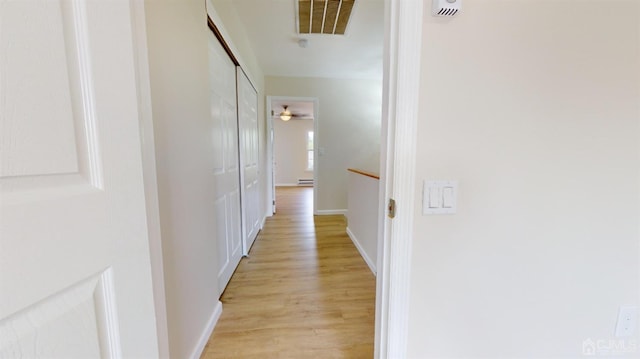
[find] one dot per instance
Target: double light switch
(439, 197)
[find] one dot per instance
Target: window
(310, 151)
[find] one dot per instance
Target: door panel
(220, 207)
(83, 309)
(249, 146)
(226, 171)
(75, 275)
(234, 204)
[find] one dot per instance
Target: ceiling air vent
(324, 16)
(446, 7)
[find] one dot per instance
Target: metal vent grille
(324, 16)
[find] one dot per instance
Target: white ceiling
(271, 28)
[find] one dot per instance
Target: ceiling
(271, 28)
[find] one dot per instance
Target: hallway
(305, 291)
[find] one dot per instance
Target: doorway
(292, 149)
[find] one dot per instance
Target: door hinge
(391, 208)
(274, 202)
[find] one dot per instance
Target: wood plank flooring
(305, 291)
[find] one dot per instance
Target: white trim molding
(364, 255)
(403, 38)
(270, 155)
(208, 330)
(147, 141)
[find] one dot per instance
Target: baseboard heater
(305, 181)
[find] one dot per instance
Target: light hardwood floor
(305, 291)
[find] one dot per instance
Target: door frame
(401, 85)
(147, 143)
(270, 155)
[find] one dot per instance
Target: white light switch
(439, 197)
(447, 197)
(435, 199)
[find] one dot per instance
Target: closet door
(249, 157)
(222, 76)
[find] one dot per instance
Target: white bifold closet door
(75, 273)
(249, 157)
(222, 76)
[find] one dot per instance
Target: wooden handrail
(364, 173)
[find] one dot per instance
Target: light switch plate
(627, 318)
(439, 197)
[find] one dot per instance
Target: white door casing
(249, 157)
(271, 165)
(272, 189)
(75, 275)
(402, 62)
(222, 77)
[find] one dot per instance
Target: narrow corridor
(305, 291)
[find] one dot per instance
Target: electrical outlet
(627, 318)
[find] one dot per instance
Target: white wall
(290, 150)
(177, 39)
(534, 107)
(177, 36)
(348, 128)
(362, 216)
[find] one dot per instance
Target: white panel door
(249, 157)
(222, 76)
(75, 274)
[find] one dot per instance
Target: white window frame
(310, 152)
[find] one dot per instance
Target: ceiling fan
(286, 115)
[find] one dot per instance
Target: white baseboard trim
(264, 220)
(326, 212)
(364, 255)
(286, 185)
(208, 330)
